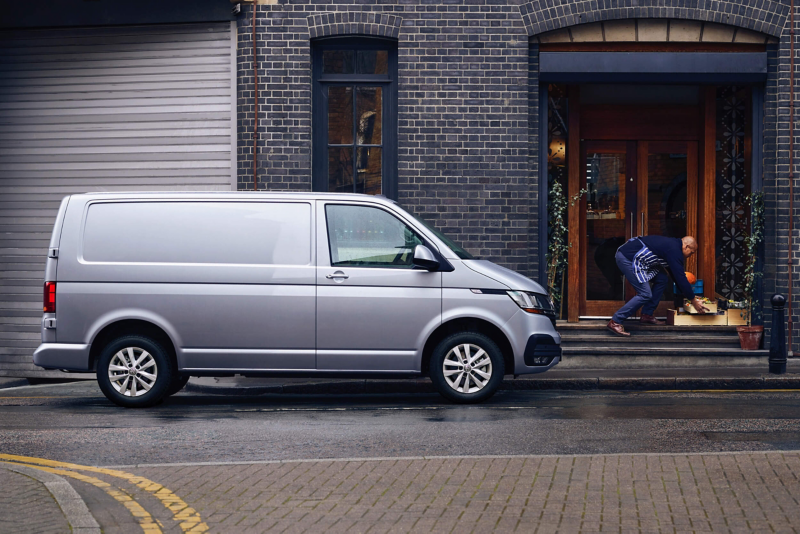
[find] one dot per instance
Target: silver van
(147, 289)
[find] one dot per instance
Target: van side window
(361, 236)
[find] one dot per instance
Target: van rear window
(250, 233)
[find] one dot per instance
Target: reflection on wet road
(76, 423)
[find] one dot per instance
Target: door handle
(632, 223)
(337, 275)
(641, 230)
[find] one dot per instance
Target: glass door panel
(606, 217)
(671, 194)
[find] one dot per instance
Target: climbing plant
(558, 245)
(752, 240)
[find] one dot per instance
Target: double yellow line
(188, 517)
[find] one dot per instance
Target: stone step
(622, 358)
(633, 326)
(662, 351)
(608, 339)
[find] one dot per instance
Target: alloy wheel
(467, 368)
(132, 371)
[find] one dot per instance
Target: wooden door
(656, 141)
(633, 188)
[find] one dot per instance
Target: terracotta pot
(750, 336)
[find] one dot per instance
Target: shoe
(617, 328)
(649, 319)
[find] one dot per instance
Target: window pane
(369, 237)
(340, 115)
(337, 62)
(368, 110)
(368, 171)
(373, 62)
(340, 170)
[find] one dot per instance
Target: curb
(353, 387)
(73, 507)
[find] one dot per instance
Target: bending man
(643, 259)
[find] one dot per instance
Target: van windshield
(455, 247)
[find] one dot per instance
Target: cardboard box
(676, 318)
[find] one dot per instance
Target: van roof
(230, 194)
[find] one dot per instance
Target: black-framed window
(354, 116)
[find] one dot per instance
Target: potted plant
(750, 335)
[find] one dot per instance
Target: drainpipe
(791, 167)
(255, 112)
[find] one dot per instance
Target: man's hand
(698, 306)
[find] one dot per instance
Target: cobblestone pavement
(26, 505)
(726, 492)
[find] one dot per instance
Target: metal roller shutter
(101, 109)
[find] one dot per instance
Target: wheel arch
(468, 324)
(124, 327)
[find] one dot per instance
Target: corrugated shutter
(101, 109)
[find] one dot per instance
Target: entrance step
(589, 345)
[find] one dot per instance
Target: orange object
(692, 278)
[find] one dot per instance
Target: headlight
(532, 302)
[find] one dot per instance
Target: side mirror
(424, 258)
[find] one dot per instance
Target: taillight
(49, 297)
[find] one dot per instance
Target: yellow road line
(188, 517)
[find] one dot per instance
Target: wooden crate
(735, 317)
(695, 319)
(711, 306)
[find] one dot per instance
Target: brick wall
(462, 111)
(468, 108)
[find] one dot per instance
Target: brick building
(667, 112)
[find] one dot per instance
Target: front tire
(135, 372)
(467, 367)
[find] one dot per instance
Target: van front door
(372, 304)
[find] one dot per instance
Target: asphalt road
(75, 423)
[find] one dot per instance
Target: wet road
(75, 423)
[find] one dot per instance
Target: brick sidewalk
(737, 492)
(26, 505)
(615, 493)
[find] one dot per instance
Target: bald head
(689, 246)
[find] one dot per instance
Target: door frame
(701, 214)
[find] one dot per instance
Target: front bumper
(541, 350)
(521, 329)
(68, 356)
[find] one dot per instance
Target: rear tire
(467, 367)
(178, 383)
(135, 372)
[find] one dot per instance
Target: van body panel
(141, 267)
(371, 320)
(51, 265)
(367, 360)
(224, 317)
(507, 277)
(243, 360)
(67, 356)
(465, 278)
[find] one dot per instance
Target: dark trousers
(646, 298)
